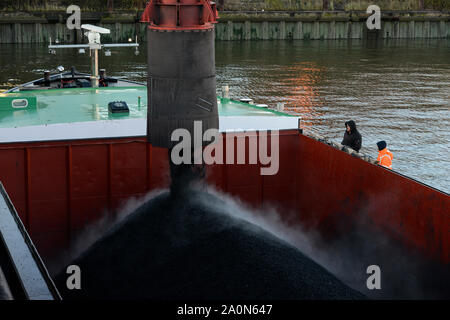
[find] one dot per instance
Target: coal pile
(179, 248)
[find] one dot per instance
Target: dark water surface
(398, 91)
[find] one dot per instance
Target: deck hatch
(118, 107)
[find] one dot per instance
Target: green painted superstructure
(88, 104)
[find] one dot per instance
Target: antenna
(93, 28)
(93, 34)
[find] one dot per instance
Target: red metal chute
(180, 14)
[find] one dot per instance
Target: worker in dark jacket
(352, 138)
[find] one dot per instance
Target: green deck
(88, 104)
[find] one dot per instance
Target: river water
(398, 91)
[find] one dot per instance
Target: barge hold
(66, 166)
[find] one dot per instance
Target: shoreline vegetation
(229, 5)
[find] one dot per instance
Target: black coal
(176, 247)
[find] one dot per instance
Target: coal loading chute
(181, 68)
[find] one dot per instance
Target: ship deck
(91, 104)
(82, 113)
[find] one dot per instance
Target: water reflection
(305, 99)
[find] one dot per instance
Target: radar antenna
(93, 34)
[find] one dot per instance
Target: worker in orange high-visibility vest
(385, 157)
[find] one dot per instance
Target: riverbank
(39, 27)
(330, 25)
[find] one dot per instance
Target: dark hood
(381, 145)
(352, 125)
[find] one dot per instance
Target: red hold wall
(59, 187)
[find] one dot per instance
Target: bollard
(280, 106)
(226, 91)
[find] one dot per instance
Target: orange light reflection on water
(304, 98)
